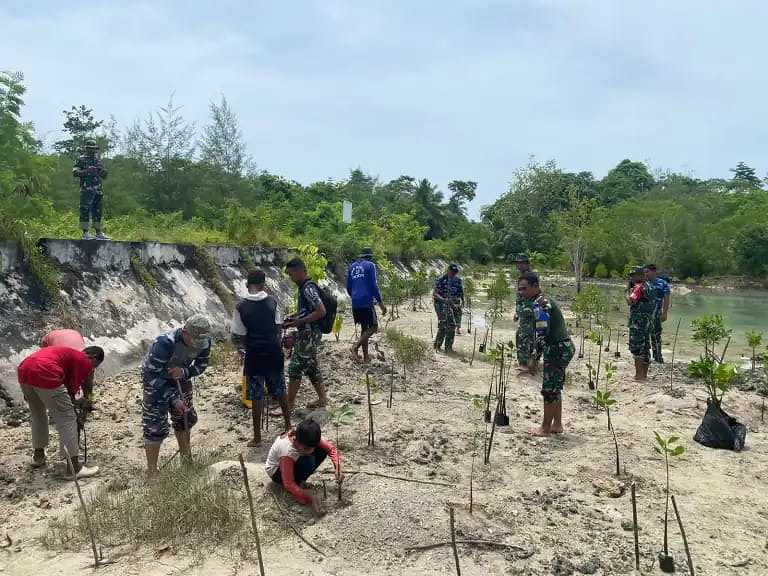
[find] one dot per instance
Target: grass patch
(409, 350)
(185, 509)
(203, 261)
(41, 268)
(141, 273)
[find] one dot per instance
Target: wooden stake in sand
(674, 346)
(91, 534)
(453, 542)
(371, 437)
(253, 514)
(474, 347)
(635, 528)
(685, 539)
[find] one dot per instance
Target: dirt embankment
(554, 503)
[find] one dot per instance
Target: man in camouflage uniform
(641, 300)
(173, 360)
(448, 297)
(662, 299)
(527, 355)
(91, 173)
(308, 336)
(551, 334)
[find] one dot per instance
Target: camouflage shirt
(448, 287)
(90, 171)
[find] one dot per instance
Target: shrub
(601, 271)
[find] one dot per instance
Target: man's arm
(665, 305)
(102, 171)
(289, 481)
(237, 329)
(156, 364)
(78, 169)
(374, 286)
(349, 279)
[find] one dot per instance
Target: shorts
(366, 317)
(557, 356)
(272, 381)
(304, 359)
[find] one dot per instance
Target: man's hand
(317, 506)
(383, 308)
(176, 373)
(92, 170)
(664, 316)
(290, 323)
(180, 406)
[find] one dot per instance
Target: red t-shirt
(53, 366)
(64, 337)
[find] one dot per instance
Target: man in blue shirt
(448, 297)
(662, 296)
(364, 291)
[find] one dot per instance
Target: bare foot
(254, 442)
(539, 431)
(366, 359)
(320, 403)
(556, 430)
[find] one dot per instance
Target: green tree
(573, 227)
(461, 192)
(745, 176)
(626, 180)
(222, 143)
(80, 125)
(751, 247)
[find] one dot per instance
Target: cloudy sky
(463, 89)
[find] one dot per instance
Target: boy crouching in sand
(296, 455)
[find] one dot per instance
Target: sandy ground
(537, 495)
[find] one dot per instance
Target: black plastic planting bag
(718, 430)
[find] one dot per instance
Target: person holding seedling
(173, 360)
(257, 326)
(448, 297)
(662, 299)
(641, 300)
(296, 455)
(557, 349)
(363, 290)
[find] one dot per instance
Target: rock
(562, 566)
(590, 566)
(13, 422)
(627, 525)
(608, 487)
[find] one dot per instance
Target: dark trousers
(90, 208)
(304, 468)
(656, 334)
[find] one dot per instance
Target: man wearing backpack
(307, 321)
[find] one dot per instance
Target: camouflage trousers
(557, 356)
(446, 324)
(458, 314)
(527, 347)
(90, 207)
(639, 335)
(304, 359)
(655, 330)
(158, 395)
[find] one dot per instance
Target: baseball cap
(649, 267)
(453, 268)
(199, 330)
(636, 270)
(367, 253)
(91, 143)
(521, 257)
(256, 277)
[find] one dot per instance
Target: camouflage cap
(91, 143)
(199, 330)
(521, 257)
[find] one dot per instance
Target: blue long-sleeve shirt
(362, 285)
(169, 351)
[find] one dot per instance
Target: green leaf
(659, 440)
(677, 451)
(672, 439)
(659, 450)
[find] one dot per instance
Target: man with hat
(641, 300)
(525, 336)
(173, 360)
(90, 171)
(448, 297)
(363, 290)
(662, 300)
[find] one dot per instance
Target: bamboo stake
(371, 438)
(674, 346)
(635, 528)
(453, 542)
(685, 539)
(488, 543)
(474, 346)
(253, 514)
(91, 534)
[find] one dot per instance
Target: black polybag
(719, 430)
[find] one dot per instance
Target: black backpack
(331, 305)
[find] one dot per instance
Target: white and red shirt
(282, 456)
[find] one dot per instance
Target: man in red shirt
(296, 455)
(49, 380)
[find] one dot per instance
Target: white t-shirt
(281, 448)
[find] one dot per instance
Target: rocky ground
(553, 502)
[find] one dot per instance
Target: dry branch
(292, 527)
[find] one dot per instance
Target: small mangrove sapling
(754, 341)
(604, 400)
(709, 330)
(668, 448)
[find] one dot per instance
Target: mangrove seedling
(608, 344)
(667, 447)
(581, 345)
(341, 416)
(501, 417)
(718, 377)
(371, 436)
(674, 348)
(604, 400)
(709, 330)
(754, 341)
(337, 324)
(617, 354)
